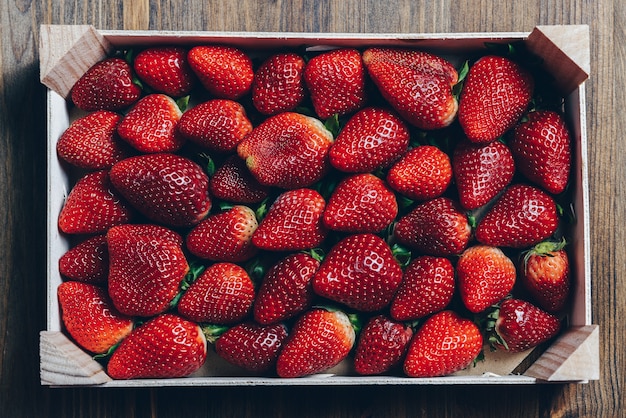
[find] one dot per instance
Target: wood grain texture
(23, 188)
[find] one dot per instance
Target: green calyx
(212, 332)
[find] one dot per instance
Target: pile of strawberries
(298, 209)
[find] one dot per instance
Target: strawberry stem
(212, 332)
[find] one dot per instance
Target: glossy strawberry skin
(233, 182)
(226, 72)
(421, 61)
(279, 84)
(86, 262)
(165, 70)
(545, 273)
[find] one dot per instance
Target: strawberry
(381, 346)
(233, 182)
(427, 287)
(223, 294)
(360, 203)
(418, 85)
(423, 173)
(150, 125)
(444, 344)
(288, 150)
(91, 142)
(485, 276)
(90, 317)
(523, 216)
(93, 206)
(481, 171)
(146, 267)
(278, 84)
(226, 72)
(86, 262)
(107, 85)
(336, 82)
(371, 139)
(286, 289)
(436, 227)
(541, 146)
(166, 188)
(319, 340)
(361, 272)
(165, 346)
(495, 94)
(293, 222)
(165, 70)
(218, 125)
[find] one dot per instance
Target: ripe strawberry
(223, 294)
(361, 272)
(218, 125)
(293, 222)
(319, 340)
(224, 236)
(444, 344)
(427, 287)
(485, 276)
(286, 289)
(360, 203)
(233, 182)
(165, 70)
(336, 82)
(90, 317)
(146, 267)
(107, 85)
(423, 173)
(288, 150)
(541, 146)
(381, 346)
(226, 72)
(166, 188)
(481, 171)
(495, 94)
(150, 125)
(93, 206)
(523, 216)
(417, 60)
(371, 139)
(86, 262)
(436, 227)
(278, 84)
(166, 346)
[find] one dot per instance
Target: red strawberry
(233, 182)
(381, 346)
(319, 340)
(361, 203)
(361, 272)
(423, 173)
(371, 139)
(481, 171)
(288, 150)
(90, 317)
(225, 71)
(436, 227)
(166, 346)
(151, 230)
(417, 60)
(224, 236)
(445, 343)
(107, 85)
(523, 216)
(485, 276)
(495, 94)
(286, 289)
(541, 146)
(91, 142)
(427, 287)
(93, 206)
(165, 70)
(223, 294)
(166, 188)
(86, 262)
(146, 268)
(218, 125)
(279, 84)
(293, 222)
(150, 125)
(336, 82)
